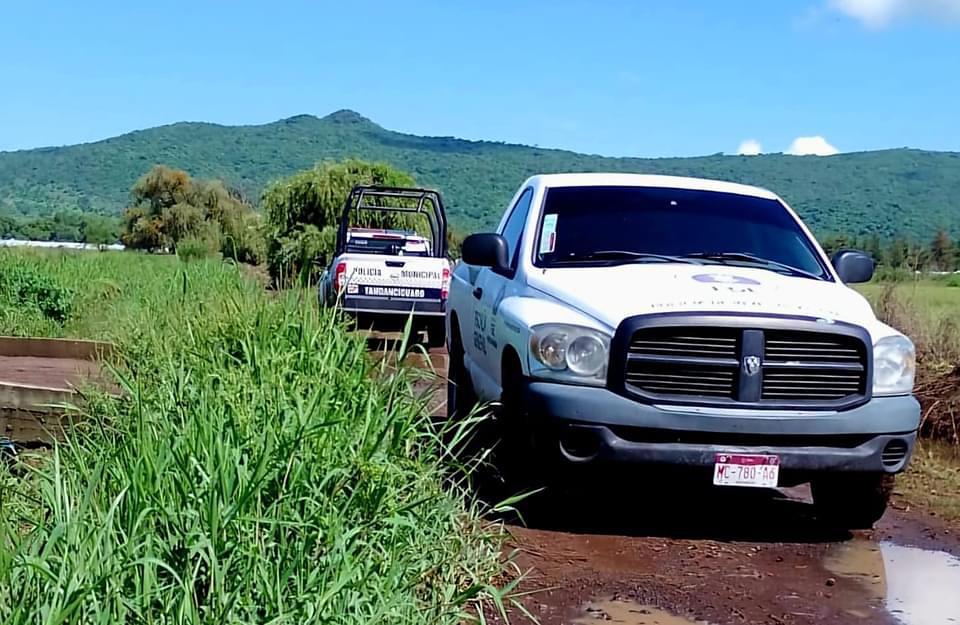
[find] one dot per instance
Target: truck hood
(610, 294)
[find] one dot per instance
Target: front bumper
(597, 426)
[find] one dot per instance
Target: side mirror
(852, 266)
(320, 260)
(486, 249)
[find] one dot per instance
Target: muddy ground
(648, 549)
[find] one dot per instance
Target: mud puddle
(629, 613)
(916, 586)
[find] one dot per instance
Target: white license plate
(754, 470)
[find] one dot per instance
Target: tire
(461, 398)
(521, 461)
(852, 502)
(436, 333)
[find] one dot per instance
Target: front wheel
(852, 501)
(461, 397)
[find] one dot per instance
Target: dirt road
(643, 548)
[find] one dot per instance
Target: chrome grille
(697, 362)
(710, 364)
(812, 366)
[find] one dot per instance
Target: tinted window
(513, 229)
(669, 222)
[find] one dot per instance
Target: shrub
(23, 286)
(197, 248)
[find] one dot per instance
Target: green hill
(885, 192)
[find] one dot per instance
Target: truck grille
(837, 361)
(755, 366)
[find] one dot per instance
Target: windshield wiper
(745, 257)
(627, 256)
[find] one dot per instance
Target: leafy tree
(302, 212)
(169, 207)
(874, 248)
(942, 251)
(896, 253)
(98, 230)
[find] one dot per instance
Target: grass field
(934, 297)
(256, 471)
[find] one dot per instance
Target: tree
(302, 212)
(897, 253)
(169, 207)
(98, 230)
(942, 251)
(872, 247)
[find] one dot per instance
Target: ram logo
(751, 365)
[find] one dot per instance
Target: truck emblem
(724, 278)
(751, 365)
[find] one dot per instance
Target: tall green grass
(257, 470)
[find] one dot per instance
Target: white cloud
(749, 147)
(815, 146)
(880, 13)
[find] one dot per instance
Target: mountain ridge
(885, 192)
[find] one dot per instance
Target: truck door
(489, 290)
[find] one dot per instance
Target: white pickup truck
(621, 319)
(381, 276)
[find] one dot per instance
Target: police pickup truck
(658, 321)
(381, 276)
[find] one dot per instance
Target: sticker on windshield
(548, 236)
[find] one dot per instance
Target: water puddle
(629, 613)
(918, 587)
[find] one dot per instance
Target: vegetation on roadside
(257, 470)
(929, 312)
(933, 479)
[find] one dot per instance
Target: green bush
(196, 248)
(27, 289)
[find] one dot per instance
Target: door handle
(478, 293)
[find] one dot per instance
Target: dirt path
(629, 551)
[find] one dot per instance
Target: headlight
(894, 366)
(568, 352)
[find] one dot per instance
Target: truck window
(513, 229)
(671, 222)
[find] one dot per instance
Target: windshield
(586, 225)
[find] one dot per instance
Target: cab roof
(647, 180)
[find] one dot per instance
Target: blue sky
(618, 77)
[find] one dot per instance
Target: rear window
(393, 246)
(675, 222)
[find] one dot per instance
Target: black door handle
(478, 292)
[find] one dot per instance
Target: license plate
(753, 470)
